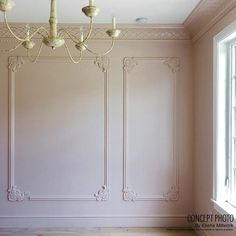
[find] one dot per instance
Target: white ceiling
(126, 11)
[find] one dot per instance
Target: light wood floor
(97, 232)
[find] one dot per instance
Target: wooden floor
(97, 232)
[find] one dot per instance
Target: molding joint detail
(103, 194)
(16, 195)
(129, 63)
(103, 63)
(129, 194)
(172, 194)
(173, 63)
(15, 63)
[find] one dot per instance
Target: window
(225, 119)
(230, 178)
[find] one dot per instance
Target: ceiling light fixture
(54, 37)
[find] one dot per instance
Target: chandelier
(53, 37)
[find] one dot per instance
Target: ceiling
(126, 11)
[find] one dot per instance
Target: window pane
(233, 171)
(233, 154)
(234, 121)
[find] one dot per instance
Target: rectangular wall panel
(150, 160)
(58, 127)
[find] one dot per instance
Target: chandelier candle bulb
(113, 23)
(90, 3)
(53, 19)
(27, 30)
(53, 9)
(81, 35)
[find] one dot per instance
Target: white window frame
(224, 43)
(232, 134)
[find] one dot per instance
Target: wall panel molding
(18, 195)
(130, 194)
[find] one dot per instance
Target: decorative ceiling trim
(205, 15)
(164, 32)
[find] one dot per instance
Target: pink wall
(54, 97)
(203, 118)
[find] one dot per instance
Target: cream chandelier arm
(54, 37)
(90, 30)
(13, 49)
(101, 54)
(73, 37)
(71, 57)
(28, 37)
(31, 59)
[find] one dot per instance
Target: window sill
(225, 208)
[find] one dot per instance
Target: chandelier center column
(53, 19)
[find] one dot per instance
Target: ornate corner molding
(15, 63)
(129, 63)
(206, 14)
(173, 63)
(103, 194)
(172, 194)
(16, 195)
(129, 194)
(103, 63)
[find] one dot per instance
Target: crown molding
(129, 32)
(205, 15)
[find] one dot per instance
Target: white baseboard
(201, 233)
(178, 221)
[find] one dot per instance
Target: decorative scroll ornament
(173, 63)
(103, 194)
(129, 194)
(103, 63)
(15, 63)
(15, 195)
(130, 63)
(172, 194)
